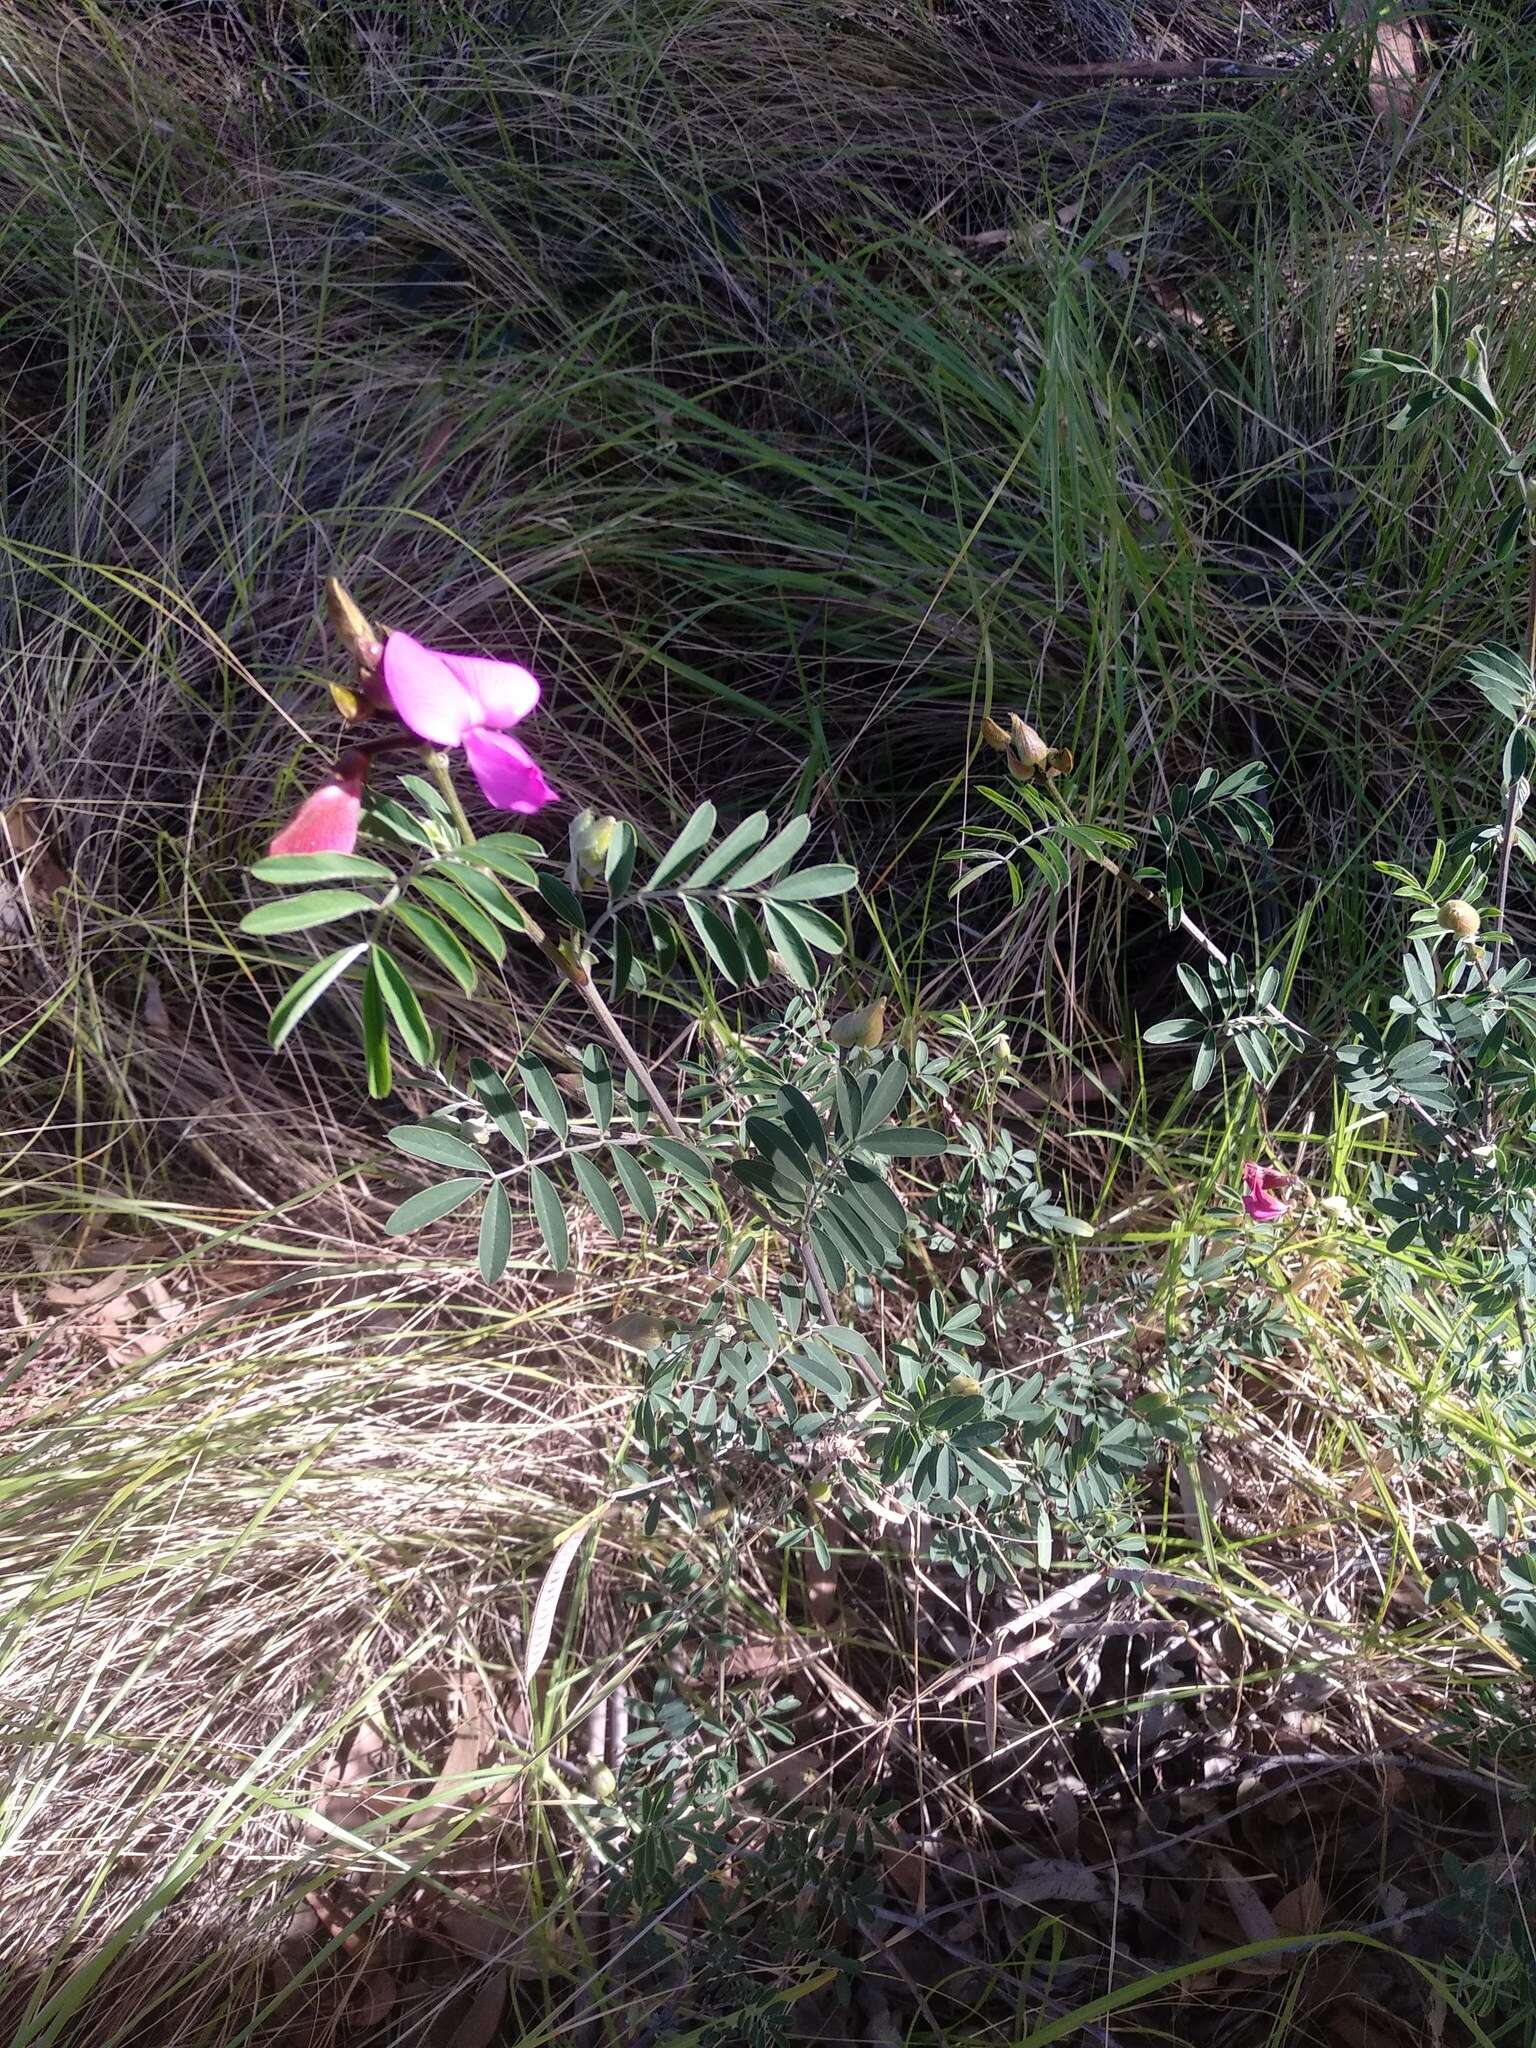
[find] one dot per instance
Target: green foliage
(1189, 839)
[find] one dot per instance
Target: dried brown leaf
(1246, 1907)
(479, 2025)
(1301, 1910)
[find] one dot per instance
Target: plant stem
(559, 958)
(1514, 802)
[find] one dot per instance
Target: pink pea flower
(1263, 1192)
(326, 821)
(468, 701)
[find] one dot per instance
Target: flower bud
(963, 1386)
(1029, 756)
(327, 820)
(1459, 917)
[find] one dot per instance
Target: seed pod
(865, 1027)
(1460, 917)
(591, 837)
(352, 629)
(601, 1783)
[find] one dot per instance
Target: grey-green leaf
(550, 1217)
(467, 915)
(499, 1103)
(603, 1202)
(729, 851)
(376, 1038)
(287, 868)
(544, 1094)
(832, 879)
(303, 913)
(631, 1177)
(691, 840)
(440, 943)
(429, 1141)
(507, 853)
(905, 1141)
(495, 1234)
(430, 1204)
(799, 961)
(308, 989)
(400, 998)
(719, 940)
(767, 861)
(597, 1082)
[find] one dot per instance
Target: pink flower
(1263, 1188)
(465, 700)
(326, 822)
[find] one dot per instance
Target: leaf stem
(561, 959)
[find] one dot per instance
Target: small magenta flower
(469, 701)
(1263, 1191)
(326, 821)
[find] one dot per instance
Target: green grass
(789, 385)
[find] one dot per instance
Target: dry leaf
(478, 2027)
(1055, 1878)
(1391, 75)
(1301, 1910)
(436, 444)
(1356, 2023)
(1249, 1910)
(372, 1999)
(541, 1625)
(152, 1008)
(1066, 1819)
(821, 1592)
(907, 1871)
(471, 1738)
(36, 875)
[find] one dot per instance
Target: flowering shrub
(793, 1167)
